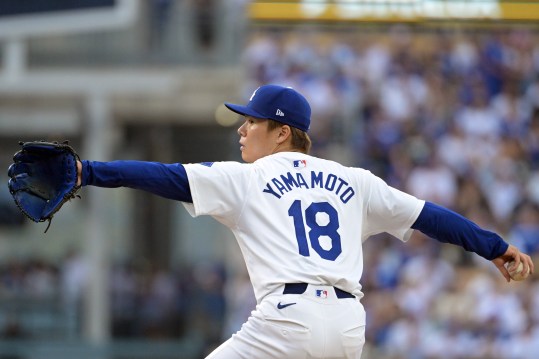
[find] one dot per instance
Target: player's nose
(241, 130)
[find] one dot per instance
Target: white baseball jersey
(299, 218)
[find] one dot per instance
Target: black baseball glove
(42, 178)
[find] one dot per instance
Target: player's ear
(284, 133)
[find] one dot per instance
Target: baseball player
(300, 222)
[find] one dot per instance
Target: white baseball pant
(315, 324)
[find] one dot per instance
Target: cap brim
(243, 110)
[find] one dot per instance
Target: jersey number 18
(315, 229)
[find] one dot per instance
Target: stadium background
(440, 98)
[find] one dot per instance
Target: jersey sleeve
(218, 189)
(388, 209)
(165, 180)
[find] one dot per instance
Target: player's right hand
(513, 254)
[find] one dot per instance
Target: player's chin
(244, 156)
(247, 157)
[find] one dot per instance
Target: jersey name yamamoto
(299, 218)
(286, 182)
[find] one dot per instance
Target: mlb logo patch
(322, 293)
(300, 163)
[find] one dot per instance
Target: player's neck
(284, 147)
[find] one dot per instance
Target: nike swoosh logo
(281, 306)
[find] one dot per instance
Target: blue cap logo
(278, 103)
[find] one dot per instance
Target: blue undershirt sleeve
(447, 226)
(165, 180)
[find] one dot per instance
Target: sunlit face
(255, 139)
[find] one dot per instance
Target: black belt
(300, 288)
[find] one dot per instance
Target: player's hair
(300, 140)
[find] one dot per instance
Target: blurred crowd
(45, 301)
(450, 116)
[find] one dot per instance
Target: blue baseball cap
(278, 103)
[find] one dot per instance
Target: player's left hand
(513, 254)
(43, 177)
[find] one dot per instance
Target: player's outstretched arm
(447, 226)
(165, 180)
(512, 254)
